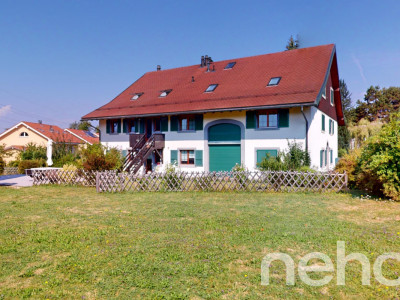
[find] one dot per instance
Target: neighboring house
(19, 136)
(216, 114)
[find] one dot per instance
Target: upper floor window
(230, 65)
(267, 119)
(324, 92)
(165, 93)
(23, 134)
(332, 97)
(187, 123)
(274, 81)
(211, 88)
(114, 124)
(130, 125)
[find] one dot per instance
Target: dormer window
(23, 134)
(136, 96)
(211, 88)
(165, 93)
(230, 65)
(274, 81)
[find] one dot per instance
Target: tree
(348, 111)
(292, 43)
(81, 125)
(378, 104)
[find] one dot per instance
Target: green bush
(34, 152)
(2, 165)
(13, 163)
(348, 163)
(294, 159)
(63, 154)
(28, 164)
(172, 179)
(378, 165)
(94, 158)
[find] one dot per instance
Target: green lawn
(70, 242)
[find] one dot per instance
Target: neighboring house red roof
(303, 73)
(54, 133)
(85, 136)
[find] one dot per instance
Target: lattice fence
(222, 181)
(10, 171)
(66, 177)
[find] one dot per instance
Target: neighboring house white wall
(321, 140)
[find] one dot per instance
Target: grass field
(70, 242)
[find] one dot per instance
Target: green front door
(224, 157)
(224, 146)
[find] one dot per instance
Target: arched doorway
(224, 146)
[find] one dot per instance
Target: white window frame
(324, 92)
(332, 97)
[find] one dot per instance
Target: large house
(16, 138)
(215, 114)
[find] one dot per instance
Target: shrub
(379, 172)
(68, 173)
(34, 152)
(63, 154)
(13, 163)
(240, 176)
(348, 163)
(29, 164)
(294, 159)
(172, 179)
(2, 165)
(94, 158)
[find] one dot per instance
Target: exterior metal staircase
(141, 149)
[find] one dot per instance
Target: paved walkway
(16, 180)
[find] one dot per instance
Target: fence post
(98, 182)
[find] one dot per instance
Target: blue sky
(62, 59)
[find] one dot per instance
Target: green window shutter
(331, 156)
(198, 158)
(263, 153)
(284, 118)
(333, 127)
(250, 119)
(141, 125)
(136, 125)
(321, 160)
(164, 124)
(125, 126)
(330, 126)
(119, 126)
(323, 122)
(199, 122)
(174, 156)
(174, 123)
(108, 126)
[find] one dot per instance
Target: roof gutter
(206, 111)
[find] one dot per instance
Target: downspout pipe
(302, 111)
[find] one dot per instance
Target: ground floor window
(262, 153)
(187, 157)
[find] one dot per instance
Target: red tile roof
(86, 136)
(303, 72)
(54, 133)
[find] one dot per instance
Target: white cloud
(5, 110)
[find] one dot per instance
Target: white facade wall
(254, 139)
(321, 140)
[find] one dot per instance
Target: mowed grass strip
(70, 242)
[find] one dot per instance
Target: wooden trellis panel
(278, 181)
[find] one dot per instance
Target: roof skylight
(274, 81)
(165, 93)
(136, 96)
(211, 88)
(230, 65)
